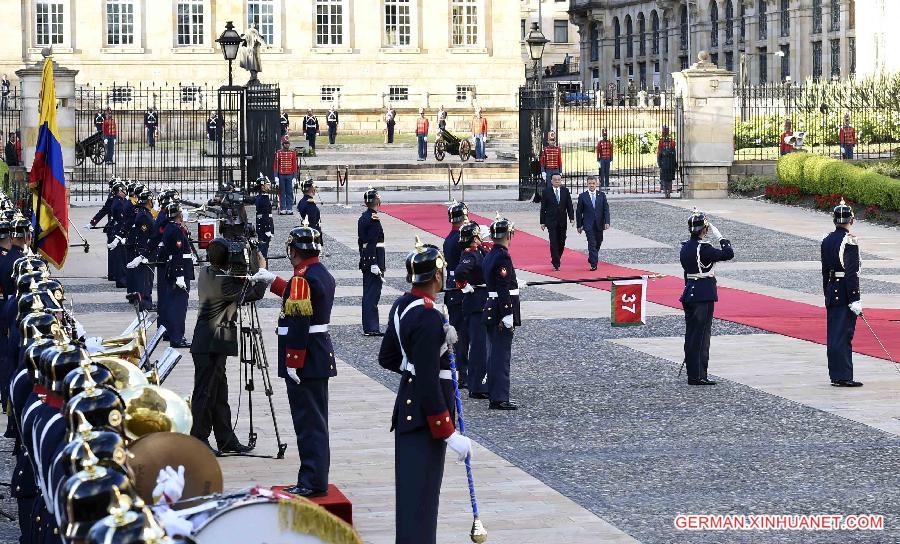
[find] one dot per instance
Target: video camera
(229, 206)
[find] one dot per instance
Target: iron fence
(817, 109)
(10, 112)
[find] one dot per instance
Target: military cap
(697, 221)
(307, 184)
(423, 262)
(842, 213)
(457, 211)
(172, 209)
(371, 195)
(502, 227)
(304, 237)
(468, 233)
(20, 228)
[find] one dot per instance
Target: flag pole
(36, 209)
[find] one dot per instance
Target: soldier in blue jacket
(698, 257)
(840, 282)
(118, 209)
(151, 123)
(370, 237)
(306, 355)
(265, 227)
(501, 312)
(157, 255)
(307, 205)
(106, 211)
(311, 130)
(457, 214)
(179, 271)
(138, 242)
(424, 417)
(470, 281)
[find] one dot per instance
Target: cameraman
(215, 338)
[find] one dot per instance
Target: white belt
(379, 244)
(318, 328)
(263, 215)
(838, 274)
(186, 255)
(493, 294)
(701, 275)
(443, 374)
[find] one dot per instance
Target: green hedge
(820, 175)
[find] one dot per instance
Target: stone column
(64, 79)
(707, 138)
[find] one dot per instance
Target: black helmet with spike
(423, 262)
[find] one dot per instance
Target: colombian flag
(47, 181)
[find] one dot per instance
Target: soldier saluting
(698, 257)
(840, 281)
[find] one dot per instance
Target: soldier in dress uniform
(422, 135)
(390, 121)
(698, 257)
(469, 278)
(501, 312)
(840, 281)
(311, 129)
(370, 237)
(106, 211)
(667, 161)
(551, 159)
(847, 139)
(5, 267)
(424, 417)
(265, 226)
(213, 133)
(332, 120)
(151, 124)
(140, 250)
(98, 121)
(457, 214)
(285, 123)
(785, 144)
(179, 272)
(307, 205)
(157, 255)
(119, 210)
(306, 355)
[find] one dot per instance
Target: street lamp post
(230, 41)
(536, 42)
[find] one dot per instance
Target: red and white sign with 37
(629, 298)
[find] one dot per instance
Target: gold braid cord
(307, 518)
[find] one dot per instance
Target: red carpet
(794, 319)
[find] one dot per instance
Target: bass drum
(271, 522)
(155, 451)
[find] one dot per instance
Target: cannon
(91, 147)
(448, 143)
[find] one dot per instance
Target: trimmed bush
(820, 175)
(749, 184)
(790, 168)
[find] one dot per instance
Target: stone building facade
(556, 26)
(762, 41)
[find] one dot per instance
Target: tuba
(129, 347)
(150, 409)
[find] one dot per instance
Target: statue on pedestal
(248, 55)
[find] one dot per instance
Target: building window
(683, 62)
(595, 42)
(189, 22)
(762, 7)
(851, 14)
(642, 34)
(398, 93)
(835, 15)
(714, 24)
(329, 22)
(119, 22)
(523, 30)
(49, 23)
(714, 58)
(729, 22)
(817, 60)
(817, 16)
(743, 30)
(561, 31)
(629, 37)
(785, 62)
(851, 56)
(463, 92)
(683, 30)
(120, 95)
(191, 93)
(729, 61)
(329, 93)
(262, 14)
(397, 23)
(617, 39)
(617, 70)
(763, 66)
(785, 18)
(465, 22)
(654, 25)
(835, 58)
(642, 74)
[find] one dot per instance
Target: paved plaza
(609, 444)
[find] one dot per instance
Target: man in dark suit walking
(592, 217)
(555, 206)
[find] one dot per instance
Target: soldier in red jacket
(604, 158)
(785, 137)
(285, 168)
(422, 134)
(551, 159)
(847, 139)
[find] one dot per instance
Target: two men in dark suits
(592, 217)
(556, 205)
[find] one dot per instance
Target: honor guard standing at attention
(390, 121)
(416, 346)
(178, 272)
(285, 123)
(847, 139)
(106, 211)
(151, 123)
(698, 257)
(666, 160)
(98, 121)
(457, 214)
(265, 226)
(840, 281)
(469, 279)
(786, 143)
(370, 237)
(311, 129)
(116, 225)
(213, 133)
(332, 120)
(422, 134)
(158, 256)
(306, 355)
(551, 159)
(501, 312)
(307, 205)
(140, 250)
(285, 167)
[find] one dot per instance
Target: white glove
(120, 239)
(450, 334)
(715, 232)
(269, 235)
(507, 321)
(94, 344)
(277, 179)
(180, 283)
(169, 485)
(467, 288)
(79, 329)
(174, 525)
(134, 262)
(375, 270)
(521, 284)
(264, 276)
(856, 307)
(461, 445)
(194, 259)
(112, 245)
(88, 226)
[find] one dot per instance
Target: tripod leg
(262, 361)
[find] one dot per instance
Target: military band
(177, 271)
(307, 207)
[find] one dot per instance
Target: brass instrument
(129, 347)
(150, 408)
(125, 374)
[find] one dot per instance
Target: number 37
(629, 299)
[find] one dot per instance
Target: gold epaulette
(375, 217)
(298, 302)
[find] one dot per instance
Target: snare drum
(253, 521)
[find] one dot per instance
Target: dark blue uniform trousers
(594, 240)
(112, 274)
(419, 470)
(501, 340)
(840, 324)
(309, 410)
(175, 310)
(478, 352)
(162, 292)
(371, 296)
(461, 348)
(141, 281)
(120, 273)
(698, 317)
(263, 248)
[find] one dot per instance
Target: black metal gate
(633, 123)
(263, 129)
